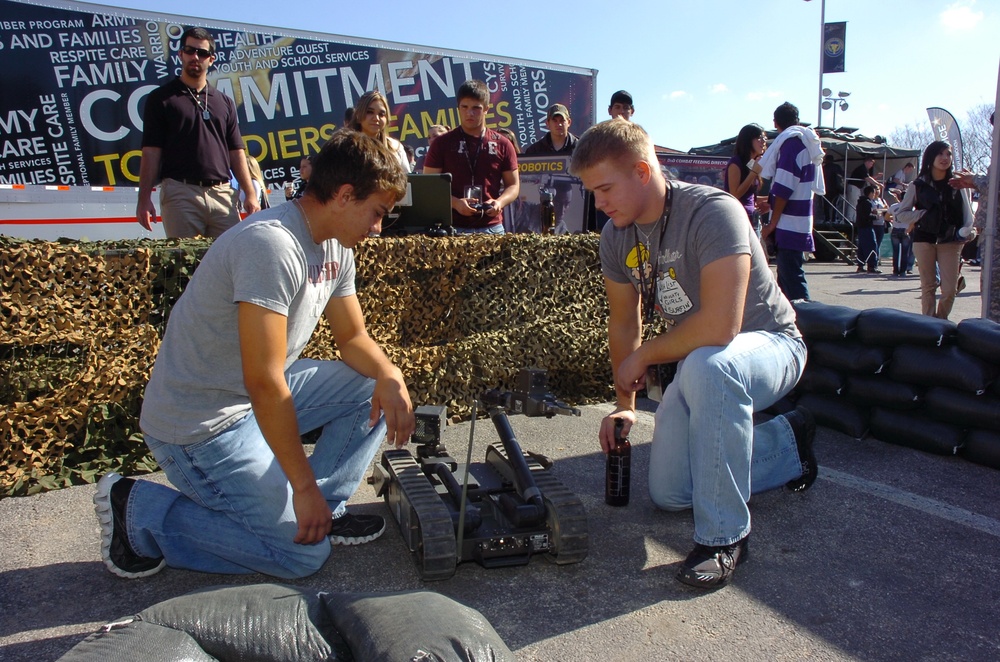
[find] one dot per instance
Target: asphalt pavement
(887, 557)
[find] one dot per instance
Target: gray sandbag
(963, 409)
(891, 327)
(414, 625)
(259, 623)
(129, 639)
(913, 430)
(821, 321)
(942, 366)
(880, 391)
(982, 447)
(837, 413)
(981, 338)
(850, 356)
(819, 379)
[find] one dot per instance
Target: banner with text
(75, 82)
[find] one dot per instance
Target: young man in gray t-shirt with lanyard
(686, 253)
(229, 397)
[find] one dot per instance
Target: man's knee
(301, 560)
(666, 498)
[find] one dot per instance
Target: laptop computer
(425, 208)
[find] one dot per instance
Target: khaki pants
(188, 210)
(947, 258)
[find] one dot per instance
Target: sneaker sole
(102, 506)
(345, 540)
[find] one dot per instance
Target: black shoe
(874, 271)
(111, 502)
(712, 567)
(804, 427)
(351, 529)
(961, 283)
(860, 270)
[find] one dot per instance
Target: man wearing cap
(621, 106)
(558, 141)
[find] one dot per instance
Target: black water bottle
(616, 487)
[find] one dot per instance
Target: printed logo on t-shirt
(320, 273)
(670, 296)
(493, 148)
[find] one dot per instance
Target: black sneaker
(111, 501)
(804, 427)
(712, 567)
(351, 529)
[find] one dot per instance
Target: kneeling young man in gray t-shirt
(229, 397)
(686, 253)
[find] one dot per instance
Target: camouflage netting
(80, 325)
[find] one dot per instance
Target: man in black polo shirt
(190, 143)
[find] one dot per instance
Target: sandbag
(262, 622)
(819, 379)
(849, 356)
(982, 447)
(414, 625)
(880, 391)
(891, 327)
(981, 338)
(820, 321)
(942, 366)
(837, 413)
(131, 639)
(963, 409)
(907, 428)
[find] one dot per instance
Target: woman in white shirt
(371, 117)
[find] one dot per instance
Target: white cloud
(960, 16)
(677, 94)
(719, 88)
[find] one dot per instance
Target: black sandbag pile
(905, 378)
(278, 623)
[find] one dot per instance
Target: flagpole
(822, 39)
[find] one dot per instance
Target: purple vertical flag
(834, 44)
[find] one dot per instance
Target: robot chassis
(504, 511)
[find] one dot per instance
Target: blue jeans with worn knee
(231, 511)
(707, 455)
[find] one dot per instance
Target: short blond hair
(613, 140)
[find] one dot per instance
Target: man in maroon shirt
(482, 164)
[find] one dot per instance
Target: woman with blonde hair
(371, 117)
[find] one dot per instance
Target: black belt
(204, 183)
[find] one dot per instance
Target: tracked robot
(500, 512)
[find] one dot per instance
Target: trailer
(75, 77)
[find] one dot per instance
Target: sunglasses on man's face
(202, 53)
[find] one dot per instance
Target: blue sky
(698, 71)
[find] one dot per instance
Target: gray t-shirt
(196, 388)
(705, 224)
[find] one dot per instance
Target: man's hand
(492, 208)
(631, 373)
(607, 432)
(251, 205)
(464, 206)
(392, 400)
(145, 213)
(312, 513)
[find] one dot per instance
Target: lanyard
(472, 162)
(647, 291)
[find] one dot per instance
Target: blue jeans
(791, 275)
(231, 511)
(707, 454)
(867, 251)
(902, 251)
